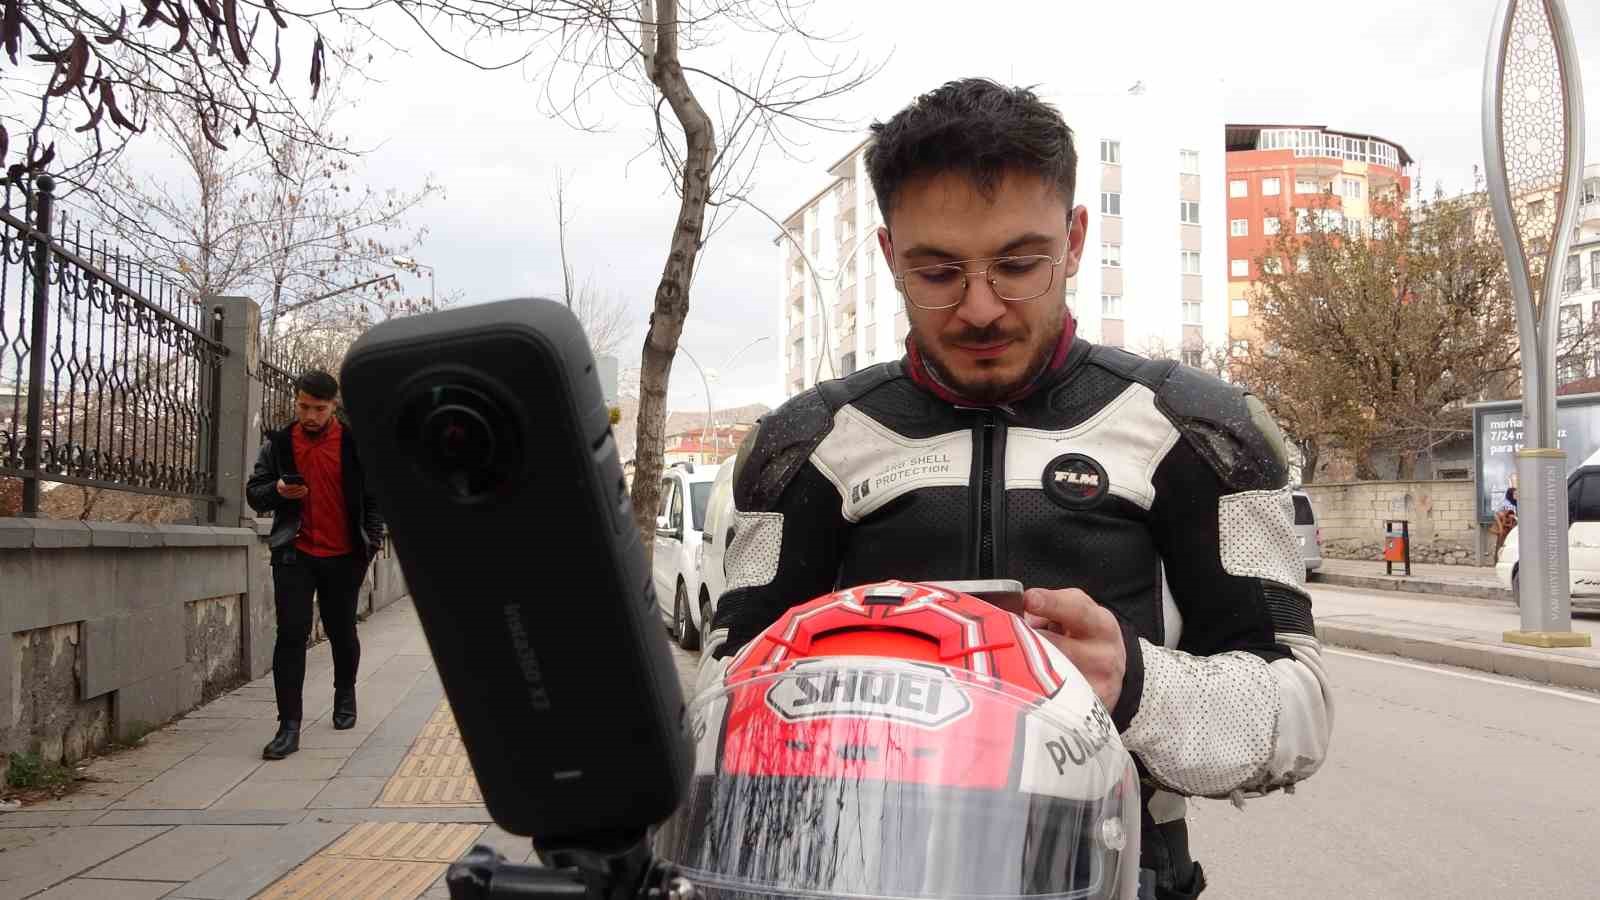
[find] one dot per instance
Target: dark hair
(318, 384)
(976, 127)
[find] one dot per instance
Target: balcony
(1589, 213)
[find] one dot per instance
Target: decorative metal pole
(1533, 153)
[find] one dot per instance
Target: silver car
(1305, 525)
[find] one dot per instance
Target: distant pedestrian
(326, 528)
(1505, 518)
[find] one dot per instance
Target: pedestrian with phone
(326, 529)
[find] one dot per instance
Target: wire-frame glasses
(1014, 279)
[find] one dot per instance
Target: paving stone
(357, 792)
(101, 888)
(249, 872)
(135, 766)
(195, 783)
(375, 759)
(199, 816)
(57, 855)
(92, 795)
(186, 852)
(298, 768)
(253, 794)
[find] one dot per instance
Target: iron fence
(277, 377)
(108, 370)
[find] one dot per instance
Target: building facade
(1580, 287)
(1279, 177)
(1152, 279)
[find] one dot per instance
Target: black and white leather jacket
(1158, 490)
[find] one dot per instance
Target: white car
(710, 572)
(685, 491)
(1583, 541)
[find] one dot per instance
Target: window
(1353, 228)
(1110, 203)
(1192, 359)
(665, 502)
(675, 512)
(1331, 219)
(1271, 265)
(699, 494)
(1111, 255)
(1239, 227)
(847, 363)
(1189, 212)
(1191, 261)
(1351, 188)
(1189, 161)
(1570, 369)
(799, 350)
(1591, 190)
(1239, 348)
(1302, 510)
(1110, 306)
(1191, 312)
(1302, 263)
(1302, 221)
(1271, 187)
(1571, 321)
(1238, 187)
(1111, 152)
(1269, 225)
(1594, 313)
(1573, 279)
(1594, 268)
(1239, 268)
(1380, 229)
(1241, 307)
(1306, 186)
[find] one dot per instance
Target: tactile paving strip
(435, 771)
(377, 860)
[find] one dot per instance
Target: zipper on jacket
(986, 501)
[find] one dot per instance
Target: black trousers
(336, 583)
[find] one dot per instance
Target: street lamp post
(713, 375)
(1533, 154)
(703, 383)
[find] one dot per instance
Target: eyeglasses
(1014, 279)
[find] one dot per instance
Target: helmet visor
(849, 777)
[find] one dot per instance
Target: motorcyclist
(908, 741)
(1145, 505)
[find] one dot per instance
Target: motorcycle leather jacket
(1159, 491)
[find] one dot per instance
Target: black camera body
(488, 442)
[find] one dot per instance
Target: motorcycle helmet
(901, 740)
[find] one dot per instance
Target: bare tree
(654, 53)
(81, 72)
(603, 315)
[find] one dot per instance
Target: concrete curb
(1553, 667)
(1413, 585)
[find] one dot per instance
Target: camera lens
(460, 438)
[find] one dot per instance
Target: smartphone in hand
(293, 478)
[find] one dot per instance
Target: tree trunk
(1308, 461)
(672, 294)
(1405, 465)
(1365, 470)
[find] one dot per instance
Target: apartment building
(1280, 176)
(1580, 285)
(1150, 172)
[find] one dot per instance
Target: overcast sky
(1411, 73)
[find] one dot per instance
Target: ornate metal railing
(108, 370)
(277, 391)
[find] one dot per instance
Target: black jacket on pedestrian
(276, 459)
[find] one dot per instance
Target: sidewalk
(1425, 578)
(194, 812)
(1453, 630)
(381, 810)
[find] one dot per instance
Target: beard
(992, 390)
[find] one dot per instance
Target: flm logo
(1075, 481)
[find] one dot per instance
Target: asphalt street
(1440, 783)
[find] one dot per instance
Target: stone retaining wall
(1442, 516)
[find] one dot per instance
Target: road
(1440, 783)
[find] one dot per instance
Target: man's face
(985, 348)
(312, 414)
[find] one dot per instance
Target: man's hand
(292, 491)
(1086, 632)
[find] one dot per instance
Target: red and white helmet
(907, 741)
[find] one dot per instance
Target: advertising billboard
(1497, 436)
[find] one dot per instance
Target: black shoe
(344, 709)
(285, 742)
